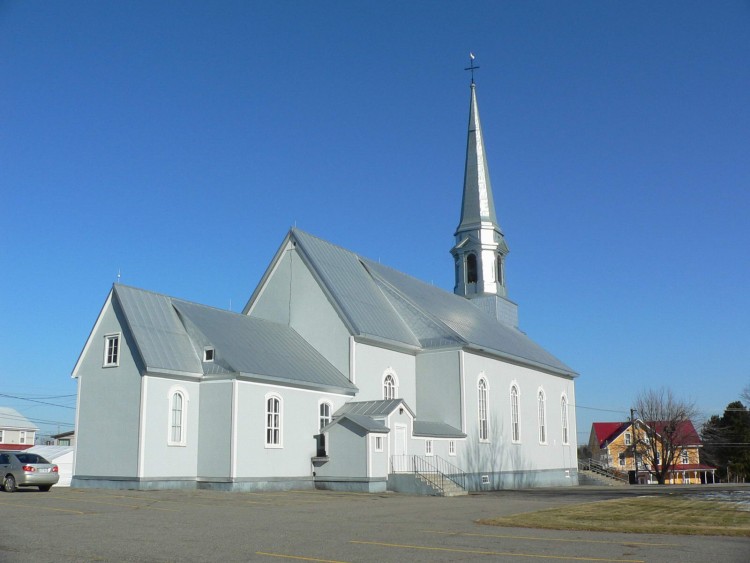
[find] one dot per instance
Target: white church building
(340, 373)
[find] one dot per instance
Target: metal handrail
(433, 469)
(601, 469)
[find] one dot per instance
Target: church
(340, 373)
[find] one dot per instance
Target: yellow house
(612, 445)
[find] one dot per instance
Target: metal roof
(477, 204)
(365, 307)
(382, 302)
(433, 429)
(372, 408)
(367, 423)
(171, 334)
(11, 418)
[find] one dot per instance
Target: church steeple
(480, 248)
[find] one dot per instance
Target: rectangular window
(428, 447)
(685, 457)
(622, 459)
(208, 354)
(628, 439)
(452, 447)
(2, 436)
(111, 350)
(22, 437)
(378, 443)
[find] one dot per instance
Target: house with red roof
(16, 431)
(613, 445)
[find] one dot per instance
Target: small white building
(340, 373)
(16, 431)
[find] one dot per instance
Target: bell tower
(480, 248)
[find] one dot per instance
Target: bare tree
(665, 427)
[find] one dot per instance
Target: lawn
(641, 515)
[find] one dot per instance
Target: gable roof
(170, 335)
(385, 304)
(11, 418)
(608, 431)
(683, 435)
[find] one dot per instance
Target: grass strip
(642, 515)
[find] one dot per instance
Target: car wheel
(10, 484)
(45, 488)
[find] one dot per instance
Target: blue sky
(177, 142)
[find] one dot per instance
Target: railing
(434, 469)
(601, 469)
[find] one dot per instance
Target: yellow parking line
(497, 553)
(296, 557)
(626, 542)
(17, 505)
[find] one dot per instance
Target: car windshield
(31, 458)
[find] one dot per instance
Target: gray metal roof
(367, 423)
(171, 334)
(11, 418)
(372, 408)
(365, 307)
(432, 429)
(388, 304)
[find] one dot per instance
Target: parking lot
(108, 525)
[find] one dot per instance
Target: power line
(35, 401)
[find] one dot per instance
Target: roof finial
(471, 67)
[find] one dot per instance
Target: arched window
(471, 268)
(515, 423)
(273, 421)
(177, 418)
(484, 427)
(500, 272)
(389, 387)
(541, 407)
(324, 414)
(564, 415)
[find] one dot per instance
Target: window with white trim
(2, 436)
(324, 414)
(515, 422)
(389, 387)
(111, 350)
(273, 421)
(22, 437)
(452, 447)
(628, 439)
(428, 447)
(564, 417)
(208, 354)
(482, 407)
(621, 458)
(178, 416)
(378, 443)
(684, 457)
(542, 415)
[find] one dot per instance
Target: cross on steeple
(471, 66)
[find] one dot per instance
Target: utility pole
(633, 443)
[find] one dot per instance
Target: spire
(478, 205)
(480, 248)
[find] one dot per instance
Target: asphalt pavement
(160, 526)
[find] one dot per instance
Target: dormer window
(208, 354)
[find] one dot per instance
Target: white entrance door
(400, 446)
(399, 461)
